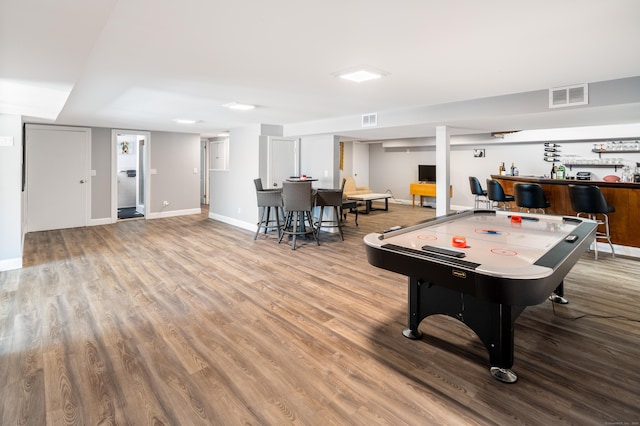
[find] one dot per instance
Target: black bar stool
(496, 194)
(588, 201)
(530, 196)
(481, 194)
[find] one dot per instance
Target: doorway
(129, 184)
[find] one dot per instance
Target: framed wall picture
(478, 153)
(127, 148)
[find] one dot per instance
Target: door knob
(82, 181)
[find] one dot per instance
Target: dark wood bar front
(624, 222)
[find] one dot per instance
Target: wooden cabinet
(424, 190)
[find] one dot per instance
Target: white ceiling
(140, 64)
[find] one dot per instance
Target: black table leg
(558, 295)
(492, 322)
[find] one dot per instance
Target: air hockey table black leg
(558, 295)
(412, 331)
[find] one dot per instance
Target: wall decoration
(478, 153)
(124, 148)
(127, 147)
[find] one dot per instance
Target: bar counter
(624, 223)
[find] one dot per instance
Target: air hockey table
(483, 267)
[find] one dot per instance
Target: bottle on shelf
(513, 169)
(560, 172)
(553, 171)
(501, 169)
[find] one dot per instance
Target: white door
(57, 175)
(361, 163)
(284, 161)
(218, 154)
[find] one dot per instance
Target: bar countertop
(624, 223)
(549, 181)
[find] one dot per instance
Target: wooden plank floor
(186, 320)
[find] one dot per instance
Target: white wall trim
(235, 222)
(173, 213)
(100, 221)
(9, 264)
(114, 170)
(620, 250)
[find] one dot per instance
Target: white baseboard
(621, 250)
(173, 213)
(101, 221)
(234, 222)
(9, 264)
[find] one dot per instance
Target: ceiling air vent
(370, 120)
(569, 96)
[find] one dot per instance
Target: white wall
(128, 161)
(101, 181)
(232, 194)
(319, 158)
(11, 193)
(176, 159)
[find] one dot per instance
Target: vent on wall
(569, 96)
(370, 120)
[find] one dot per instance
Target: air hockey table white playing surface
(499, 245)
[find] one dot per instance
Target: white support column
(443, 201)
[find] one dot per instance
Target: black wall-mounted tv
(426, 173)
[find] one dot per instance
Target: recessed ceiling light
(184, 121)
(360, 75)
(239, 106)
(223, 134)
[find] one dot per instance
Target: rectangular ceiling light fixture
(361, 73)
(360, 76)
(238, 106)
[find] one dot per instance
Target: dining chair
(298, 202)
(268, 199)
(331, 198)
